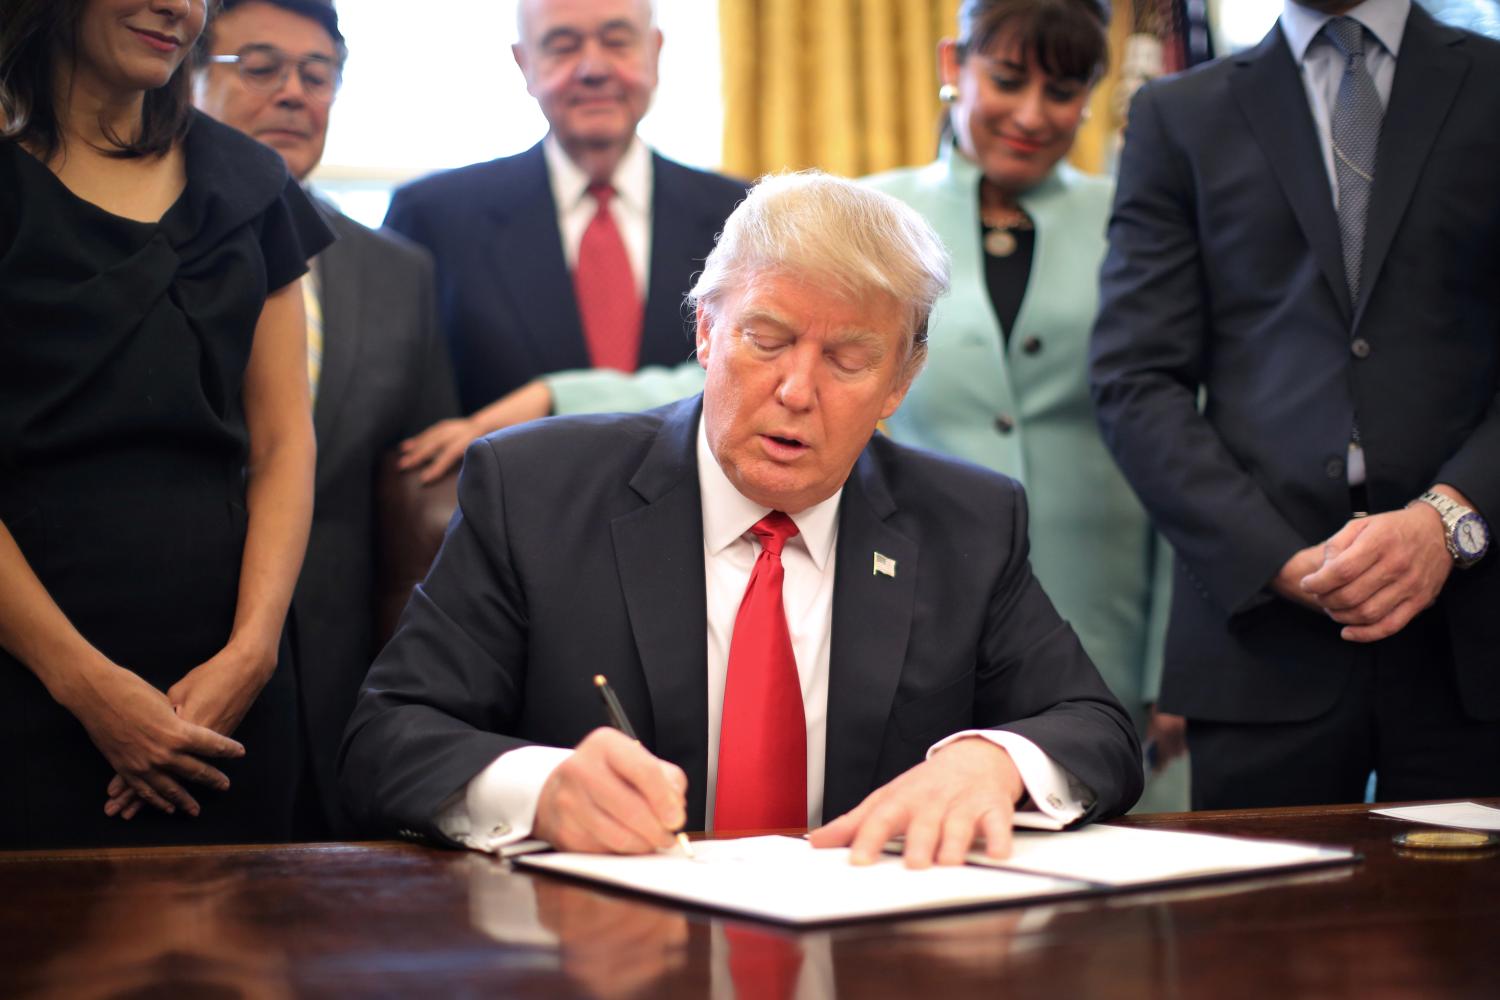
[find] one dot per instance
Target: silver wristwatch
(1467, 535)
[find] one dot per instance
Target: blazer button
(1032, 345)
(1359, 347)
(1004, 424)
(1334, 468)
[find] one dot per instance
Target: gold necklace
(1000, 227)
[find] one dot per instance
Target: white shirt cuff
(498, 805)
(1057, 798)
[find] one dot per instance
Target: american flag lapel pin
(885, 565)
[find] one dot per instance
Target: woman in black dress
(156, 448)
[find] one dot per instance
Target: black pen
(618, 719)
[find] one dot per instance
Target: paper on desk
(1121, 856)
(1464, 815)
(787, 880)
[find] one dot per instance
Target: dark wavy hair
(31, 33)
(1068, 38)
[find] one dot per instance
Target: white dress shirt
(1323, 67)
(498, 806)
(630, 207)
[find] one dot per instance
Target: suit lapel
(1269, 91)
(871, 626)
(1428, 74)
(657, 547)
(530, 264)
(674, 221)
(338, 291)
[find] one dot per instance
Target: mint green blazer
(1029, 415)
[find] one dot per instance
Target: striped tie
(314, 310)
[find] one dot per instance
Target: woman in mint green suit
(1006, 381)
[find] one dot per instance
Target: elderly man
(577, 252)
(377, 366)
(890, 614)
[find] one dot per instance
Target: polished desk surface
(395, 919)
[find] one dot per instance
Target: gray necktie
(1356, 133)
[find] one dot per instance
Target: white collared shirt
(1322, 66)
(498, 806)
(630, 207)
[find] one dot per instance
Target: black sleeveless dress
(123, 347)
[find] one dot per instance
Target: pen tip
(599, 680)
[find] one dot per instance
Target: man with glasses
(378, 370)
(575, 254)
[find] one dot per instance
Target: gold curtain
(850, 86)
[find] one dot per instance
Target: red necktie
(607, 300)
(762, 774)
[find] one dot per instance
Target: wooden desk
(394, 919)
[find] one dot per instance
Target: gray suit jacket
(385, 376)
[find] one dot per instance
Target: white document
(1119, 856)
(786, 880)
(1464, 815)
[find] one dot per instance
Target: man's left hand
(968, 788)
(1380, 572)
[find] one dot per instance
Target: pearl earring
(947, 93)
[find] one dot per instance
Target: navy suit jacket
(578, 549)
(1225, 275)
(505, 294)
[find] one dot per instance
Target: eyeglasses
(266, 68)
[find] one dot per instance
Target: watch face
(1470, 536)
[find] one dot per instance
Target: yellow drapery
(850, 86)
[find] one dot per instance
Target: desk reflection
(189, 934)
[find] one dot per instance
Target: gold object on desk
(1446, 840)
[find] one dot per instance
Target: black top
(1006, 275)
(123, 348)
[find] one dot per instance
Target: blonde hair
(833, 232)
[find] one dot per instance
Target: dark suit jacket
(1225, 273)
(505, 294)
(385, 376)
(578, 549)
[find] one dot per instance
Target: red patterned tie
(607, 299)
(762, 774)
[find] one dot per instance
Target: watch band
(1452, 512)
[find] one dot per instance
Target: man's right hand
(144, 740)
(612, 797)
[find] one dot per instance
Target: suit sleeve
(1148, 359)
(602, 390)
(436, 699)
(1033, 673)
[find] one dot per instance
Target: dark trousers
(1399, 717)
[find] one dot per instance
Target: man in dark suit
(1307, 236)
(377, 365)
(623, 545)
(524, 286)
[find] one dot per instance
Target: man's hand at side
(968, 788)
(613, 797)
